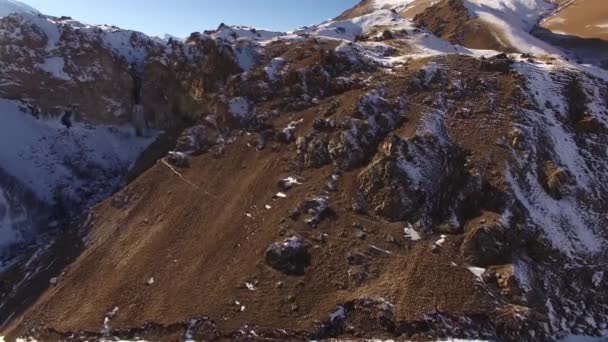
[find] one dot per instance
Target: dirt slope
(450, 20)
(581, 18)
(202, 237)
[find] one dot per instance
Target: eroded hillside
(361, 178)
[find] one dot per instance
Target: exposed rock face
(373, 119)
(188, 73)
(74, 64)
(415, 178)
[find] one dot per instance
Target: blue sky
(181, 17)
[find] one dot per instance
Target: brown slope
(580, 27)
(581, 18)
(362, 8)
(201, 248)
(450, 20)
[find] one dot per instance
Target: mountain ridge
(359, 178)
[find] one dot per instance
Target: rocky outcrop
(416, 178)
(488, 244)
(75, 64)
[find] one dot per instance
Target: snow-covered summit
(165, 37)
(234, 33)
(508, 21)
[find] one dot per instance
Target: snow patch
(55, 67)
(411, 233)
(478, 272)
(515, 19)
(239, 107)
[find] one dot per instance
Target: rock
(178, 159)
(449, 228)
(331, 109)
(288, 183)
(316, 208)
(193, 140)
(332, 183)
(357, 275)
(290, 256)
(372, 119)
(356, 258)
(321, 237)
(516, 138)
(387, 35)
(324, 125)
(486, 245)
(359, 206)
(589, 124)
(287, 135)
(359, 234)
(312, 150)
(417, 177)
(385, 187)
(503, 277)
(501, 63)
(294, 214)
(554, 179)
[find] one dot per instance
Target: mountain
(164, 38)
(8, 7)
(411, 170)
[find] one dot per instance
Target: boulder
(312, 150)
(290, 256)
(356, 258)
(324, 125)
(193, 140)
(178, 159)
(554, 179)
(315, 208)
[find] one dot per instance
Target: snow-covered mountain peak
(234, 33)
